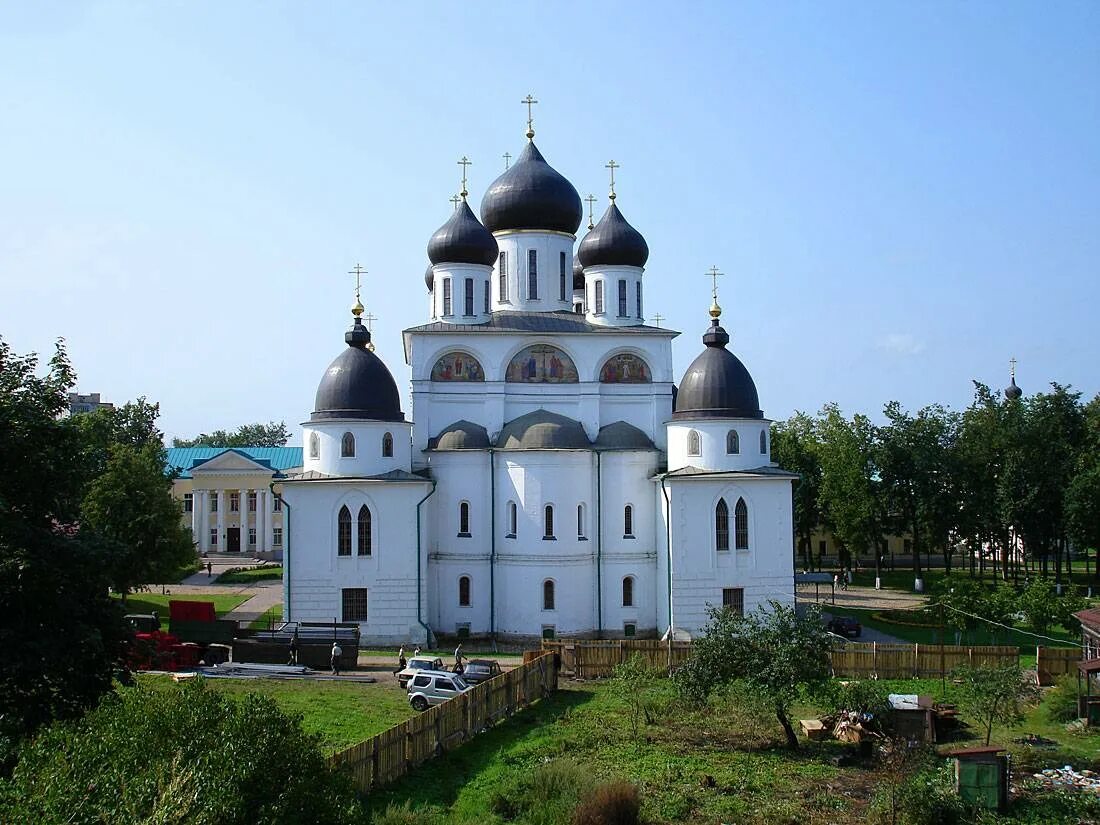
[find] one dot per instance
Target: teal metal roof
(279, 459)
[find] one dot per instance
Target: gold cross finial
(455, 201)
(358, 272)
(464, 162)
(1012, 367)
(507, 160)
(591, 200)
(715, 310)
(530, 101)
(657, 319)
(612, 166)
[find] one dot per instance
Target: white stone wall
(712, 442)
(368, 459)
(458, 273)
(549, 247)
(609, 277)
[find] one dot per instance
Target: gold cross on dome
(657, 319)
(530, 101)
(714, 275)
(358, 272)
(455, 201)
(507, 160)
(591, 200)
(464, 162)
(612, 166)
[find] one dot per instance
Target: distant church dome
(1012, 392)
(613, 242)
(462, 240)
(578, 273)
(543, 430)
(717, 384)
(429, 278)
(357, 384)
(531, 195)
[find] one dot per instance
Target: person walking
(401, 661)
(337, 652)
(416, 652)
(458, 659)
(293, 649)
(209, 570)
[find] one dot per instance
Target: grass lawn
(269, 618)
(343, 713)
(254, 574)
(902, 579)
(716, 764)
(148, 602)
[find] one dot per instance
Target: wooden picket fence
(596, 659)
(1052, 662)
(394, 752)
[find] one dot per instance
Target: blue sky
(902, 195)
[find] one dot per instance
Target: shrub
(187, 754)
(1060, 702)
(926, 797)
(408, 815)
(613, 803)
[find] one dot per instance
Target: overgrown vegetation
(249, 575)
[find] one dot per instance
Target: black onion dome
(531, 194)
(429, 277)
(717, 384)
(578, 273)
(613, 242)
(357, 384)
(1012, 392)
(463, 240)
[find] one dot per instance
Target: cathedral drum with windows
(554, 482)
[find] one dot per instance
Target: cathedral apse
(541, 364)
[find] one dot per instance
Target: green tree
(1043, 607)
(1082, 498)
(271, 434)
(774, 652)
(960, 600)
(636, 682)
(130, 507)
(795, 447)
(994, 694)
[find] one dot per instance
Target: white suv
(434, 687)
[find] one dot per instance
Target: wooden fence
(595, 659)
(394, 752)
(1052, 662)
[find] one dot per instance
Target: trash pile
(1067, 778)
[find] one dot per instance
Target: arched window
(733, 443)
(722, 525)
(628, 591)
(580, 521)
(343, 532)
(628, 521)
(314, 445)
(548, 595)
(512, 519)
(693, 443)
(741, 525)
(548, 522)
(464, 519)
(387, 446)
(364, 531)
(464, 591)
(347, 446)
(486, 297)
(763, 442)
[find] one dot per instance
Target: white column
(245, 546)
(223, 505)
(269, 519)
(261, 529)
(196, 516)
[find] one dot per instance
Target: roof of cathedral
(623, 436)
(183, 459)
(392, 475)
(357, 384)
(463, 240)
(462, 435)
(429, 277)
(716, 384)
(561, 321)
(578, 273)
(543, 430)
(613, 242)
(766, 470)
(1012, 392)
(531, 194)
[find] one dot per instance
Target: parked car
(417, 664)
(477, 671)
(430, 687)
(845, 626)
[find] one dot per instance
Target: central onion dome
(462, 240)
(717, 384)
(357, 384)
(531, 195)
(613, 242)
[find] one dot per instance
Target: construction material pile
(1067, 778)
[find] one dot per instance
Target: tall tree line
(1012, 483)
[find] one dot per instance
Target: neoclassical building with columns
(227, 496)
(553, 477)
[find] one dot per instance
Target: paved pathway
(267, 595)
(864, 598)
(869, 634)
(219, 563)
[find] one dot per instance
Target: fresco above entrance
(457, 366)
(542, 364)
(625, 369)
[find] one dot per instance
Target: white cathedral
(553, 481)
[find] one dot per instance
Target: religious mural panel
(542, 364)
(457, 366)
(625, 369)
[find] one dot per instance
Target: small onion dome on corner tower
(429, 278)
(1012, 392)
(531, 194)
(717, 384)
(357, 384)
(613, 242)
(578, 274)
(462, 240)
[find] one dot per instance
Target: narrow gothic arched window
(741, 525)
(628, 521)
(347, 446)
(464, 591)
(343, 532)
(628, 591)
(722, 525)
(512, 519)
(548, 595)
(364, 531)
(464, 519)
(693, 443)
(548, 522)
(314, 446)
(733, 443)
(763, 442)
(387, 446)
